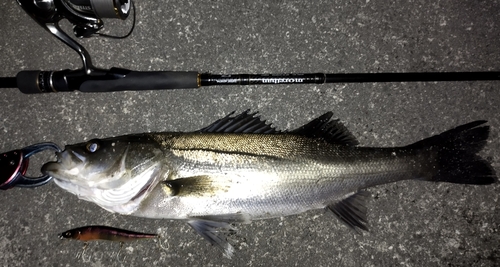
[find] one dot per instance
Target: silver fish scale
(266, 176)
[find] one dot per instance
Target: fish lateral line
(228, 152)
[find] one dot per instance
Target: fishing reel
(85, 15)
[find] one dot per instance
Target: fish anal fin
(333, 131)
(352, 210)
(213, 232)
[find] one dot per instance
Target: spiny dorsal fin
(245, 122)
(352, 210)
(333, 131)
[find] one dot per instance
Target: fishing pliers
(14, 164)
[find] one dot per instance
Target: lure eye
(65, 235)
(92, 146)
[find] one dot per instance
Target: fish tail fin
(455, 155)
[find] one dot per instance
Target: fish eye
(92, 146)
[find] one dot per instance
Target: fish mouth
(67, 162)
(51, 168)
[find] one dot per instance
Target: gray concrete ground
(412, 223)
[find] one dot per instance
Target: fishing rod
(86, 17)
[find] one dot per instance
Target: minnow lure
(98, 232)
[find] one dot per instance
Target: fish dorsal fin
(333, 131)
(245, 122)
(352, 210)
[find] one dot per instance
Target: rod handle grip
(127, 80)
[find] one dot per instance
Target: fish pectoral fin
(202, 185)
(213, 232)
(352, 211)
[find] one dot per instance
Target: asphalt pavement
(411, 223)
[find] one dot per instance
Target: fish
(100, 232)
(240, 169)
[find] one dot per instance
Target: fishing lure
(98, 232)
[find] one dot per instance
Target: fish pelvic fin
(213, 232)
(352, 211)
(455, 155)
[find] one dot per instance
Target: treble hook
(14, 165)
